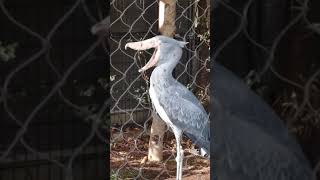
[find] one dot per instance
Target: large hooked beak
(144, 45)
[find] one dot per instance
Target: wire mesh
(272, 45)
(52, 106)
(131, 109)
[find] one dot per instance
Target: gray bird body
(173, 102)
(183, 109)
(250, 140)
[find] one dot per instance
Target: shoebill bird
(173, 102)
(250, 141)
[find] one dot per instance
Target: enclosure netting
(131, 109)
(52, 106)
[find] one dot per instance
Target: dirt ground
(129, 152)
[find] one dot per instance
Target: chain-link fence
(52, 100)
(273, 45)
(131, 107)
(53, 80)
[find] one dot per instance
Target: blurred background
(53, 78)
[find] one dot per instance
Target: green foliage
(8, 51)
(202, 29)
(202, 25)
(113, 177)
(126, 173)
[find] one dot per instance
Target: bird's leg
(179, 158)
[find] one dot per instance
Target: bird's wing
(186, 113)
(245, 150)
(185, 93)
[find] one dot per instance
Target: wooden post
(167, 16)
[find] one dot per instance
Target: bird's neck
(162, 74)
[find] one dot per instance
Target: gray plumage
(250, 140)
(182, 107)
(174, 103)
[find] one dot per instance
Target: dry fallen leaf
(144, 160)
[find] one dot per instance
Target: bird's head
(166, 49)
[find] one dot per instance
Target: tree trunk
(167, 16)
(156, 139)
